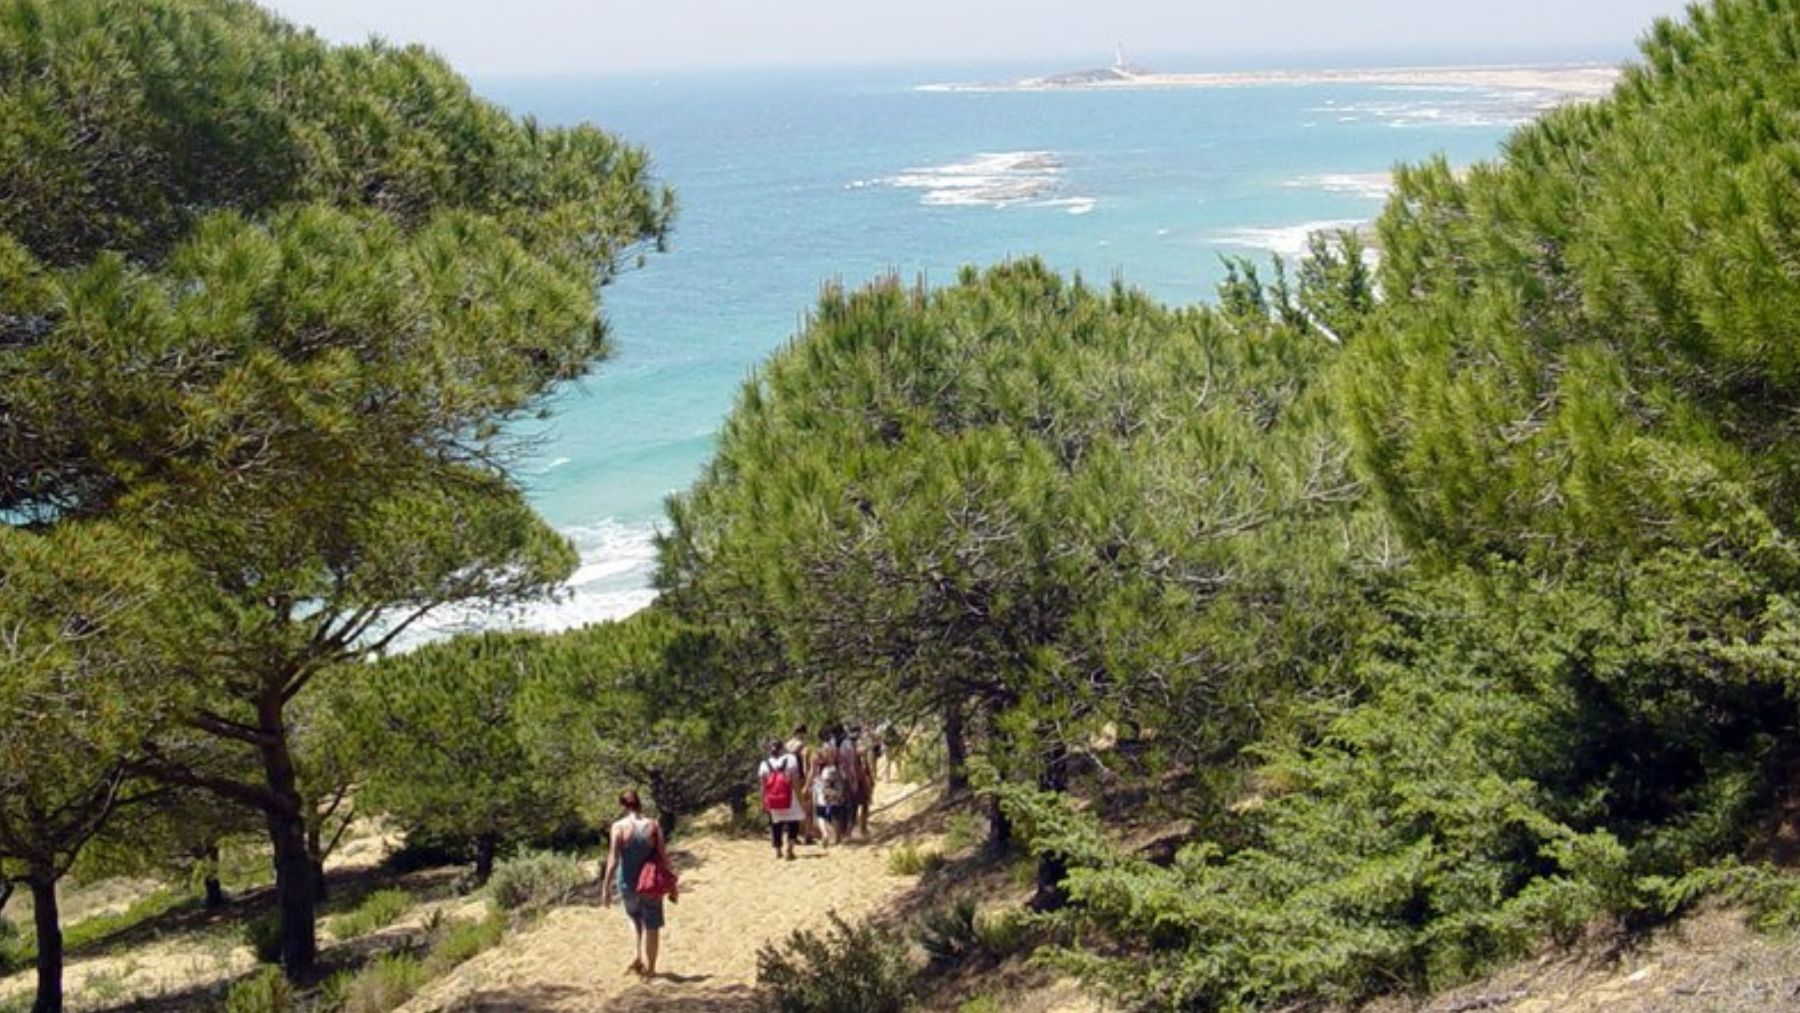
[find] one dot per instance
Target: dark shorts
(829, 812)
(644, 912)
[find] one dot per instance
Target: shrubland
(1495, 639)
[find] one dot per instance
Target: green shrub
(536, 879)
(377, 911)
(911, 860)
(263, 935)
(384, 985)
(965, 831)
(458, 941)
(334, 993)
(1002, 934)
(849, 969)
(956, 933)
(266, 991)
(980, 1004)
(1771, 895)
(948, 934)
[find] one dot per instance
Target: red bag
(657, 878)
(778, 791)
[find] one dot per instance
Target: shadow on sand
(672, 992)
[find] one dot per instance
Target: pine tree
(271, 302)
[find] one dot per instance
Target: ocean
(788, 180)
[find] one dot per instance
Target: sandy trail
(735, 896)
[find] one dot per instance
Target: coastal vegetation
(265, 307)
(1425, 610)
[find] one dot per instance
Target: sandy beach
(1576, 81)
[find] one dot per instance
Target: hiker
(861, 770)
(636, 841)
(828, 790)
(856, 788)
(779, 775)
(796, 748)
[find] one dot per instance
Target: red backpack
(778, 790)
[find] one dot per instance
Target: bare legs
(637, 963)
(649, 940)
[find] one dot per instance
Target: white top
(786, 761)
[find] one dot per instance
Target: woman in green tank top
(635, 840)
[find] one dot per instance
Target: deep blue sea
(787, 180)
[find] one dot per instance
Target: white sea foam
(611, 582)
(1285, 240)
(991, 179)
(1373, 185)
(1447, 107)
(1074, 205)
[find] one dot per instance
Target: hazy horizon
(561, 37)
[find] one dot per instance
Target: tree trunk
(294, 879)
(666, 819)
(1052, 867)
(49, 941)
(1000, 829)
(485, 847)
(6, 892)
(215, 891)
(956, 751)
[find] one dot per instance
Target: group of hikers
(820, 792)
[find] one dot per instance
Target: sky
(511, 37)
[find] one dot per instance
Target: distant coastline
(1572, 81)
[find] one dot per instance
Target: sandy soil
(735, 897)
(184, 960)
(1577, 81)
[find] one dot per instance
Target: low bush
(847, 969)
(948, 934)
(334, 993)
(377, 911)
(266, 991)
(1002, 934)
(956, 933)
(912, 860)
(383, 985)
(457, 941)
(965, 831)
(536, 879)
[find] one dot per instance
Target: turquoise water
(786, 181)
